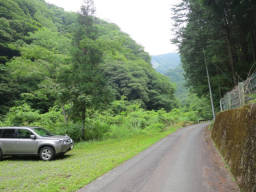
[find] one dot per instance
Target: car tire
(47, 153)
(1, 155)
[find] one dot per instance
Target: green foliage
(39, 68)
(88, 86)
(53, 120)
(22, 115)
(20, 22)
(225, 30)
(177, 77)
(140, 83)
(42, 62)
(163, 63)
(8, 90)
(129, 71)
(170, 66)
(122, 119)
(200, 105)
(61, 70)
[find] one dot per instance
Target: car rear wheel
(47, 153)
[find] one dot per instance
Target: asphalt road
(185, 161)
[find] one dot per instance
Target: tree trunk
(83, 121)
(64, 114)
(229, 46)
(253, 41)
(230, 59)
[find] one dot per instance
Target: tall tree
(88, 86)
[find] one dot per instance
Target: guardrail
(240, 95)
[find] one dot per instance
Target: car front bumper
(63, 148)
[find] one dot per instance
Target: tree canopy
(226, 31)
(43, 51)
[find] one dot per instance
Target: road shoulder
(221, 179)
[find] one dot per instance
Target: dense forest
(36, 44)
(220, 34)
(74, 73)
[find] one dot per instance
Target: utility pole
(209, 85)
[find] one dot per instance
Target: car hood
(57, 137)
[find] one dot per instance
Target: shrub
(120, 120)
(95, 129)
(21, 115)
(71, 129)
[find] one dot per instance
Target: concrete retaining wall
(234, 133)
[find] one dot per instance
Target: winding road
(185, 161)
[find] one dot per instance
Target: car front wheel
(47, 153)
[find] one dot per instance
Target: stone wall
(234, 133)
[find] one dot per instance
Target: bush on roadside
(120, 120)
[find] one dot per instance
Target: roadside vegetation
(120, 120)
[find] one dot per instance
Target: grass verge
(86, 162)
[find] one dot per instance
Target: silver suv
(33, 141)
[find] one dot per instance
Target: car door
(8, 141)
(25, 145)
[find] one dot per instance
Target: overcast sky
(148, 22)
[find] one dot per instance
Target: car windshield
(42, 132)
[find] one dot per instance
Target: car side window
(23, 133)
(8, 133)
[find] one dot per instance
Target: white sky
(148, 22)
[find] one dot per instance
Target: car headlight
(64, 142)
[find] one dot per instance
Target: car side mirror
(32, 136)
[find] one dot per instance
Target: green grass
(86, 162)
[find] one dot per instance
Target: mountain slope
(36, 54)
(177, 77)
(164, 62)
(170, 66)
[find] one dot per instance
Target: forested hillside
(74, 73)
(220, 34)
(164, 62)
(176, 76)
(187, 100)
(36, 41)
(170, 66)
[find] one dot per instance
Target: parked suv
(32, 141)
